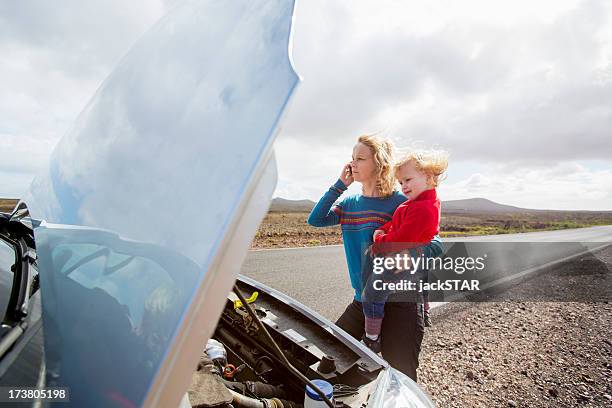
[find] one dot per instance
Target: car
(118, 260)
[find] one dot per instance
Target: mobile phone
(349, 171)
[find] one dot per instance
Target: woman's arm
(322, 215)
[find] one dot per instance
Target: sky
(519, 93)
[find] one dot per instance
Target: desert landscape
(500, 352)
(286, 226)
(537, 353)
(7, 204)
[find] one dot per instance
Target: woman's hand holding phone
(347, 175)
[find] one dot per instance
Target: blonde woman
(359, 216)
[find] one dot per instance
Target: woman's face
(363, 165)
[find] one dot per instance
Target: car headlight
(395, 389)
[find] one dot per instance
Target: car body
(141, 220)
(305, 337)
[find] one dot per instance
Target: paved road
(318, 276)
(601, 233)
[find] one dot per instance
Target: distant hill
(284, 205)
(469, 205)
(480, 205)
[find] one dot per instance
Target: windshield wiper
(22, 282)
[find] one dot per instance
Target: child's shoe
(373, 345)
(427, 318)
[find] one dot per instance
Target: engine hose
(246, 402)
(243, 401)
(278, 351)
(259, 389)
(287, 404)
(265, 390)
(234, 385)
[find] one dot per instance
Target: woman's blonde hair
(432, 162)
(382, 149)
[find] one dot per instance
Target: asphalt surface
(318, 276)
(601, 233)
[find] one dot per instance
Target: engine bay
(239, 365)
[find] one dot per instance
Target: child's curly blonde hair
(432, 162)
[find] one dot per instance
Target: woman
(360, 215)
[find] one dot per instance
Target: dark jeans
(401, 334)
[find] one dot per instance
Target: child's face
(363, 165)
(413, 181)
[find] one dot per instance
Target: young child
(415, 222)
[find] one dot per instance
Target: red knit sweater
(414, 221)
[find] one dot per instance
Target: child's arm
(383, 229)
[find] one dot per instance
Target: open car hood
(151, 201)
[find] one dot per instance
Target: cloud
(77, 37)
(563, 186)
(56, 56)
(522, 92)
(308, 172)
(538, 89)
(494, 83)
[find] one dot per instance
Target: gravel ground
(527, 353)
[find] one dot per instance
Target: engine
(239, 366)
